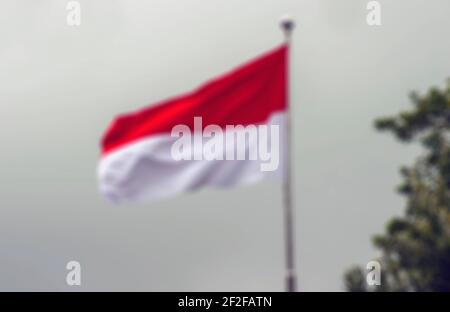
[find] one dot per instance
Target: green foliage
(415, 248)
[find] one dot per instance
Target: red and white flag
(228, 132)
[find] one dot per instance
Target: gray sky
(62, 85)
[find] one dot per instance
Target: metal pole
(287, 24)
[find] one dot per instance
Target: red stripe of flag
(246, 95)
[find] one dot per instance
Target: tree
(415, 248)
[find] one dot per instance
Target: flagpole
(287, 24)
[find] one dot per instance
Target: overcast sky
(61, 85)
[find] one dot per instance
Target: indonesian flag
(229, 132)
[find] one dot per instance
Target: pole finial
(287, 24)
